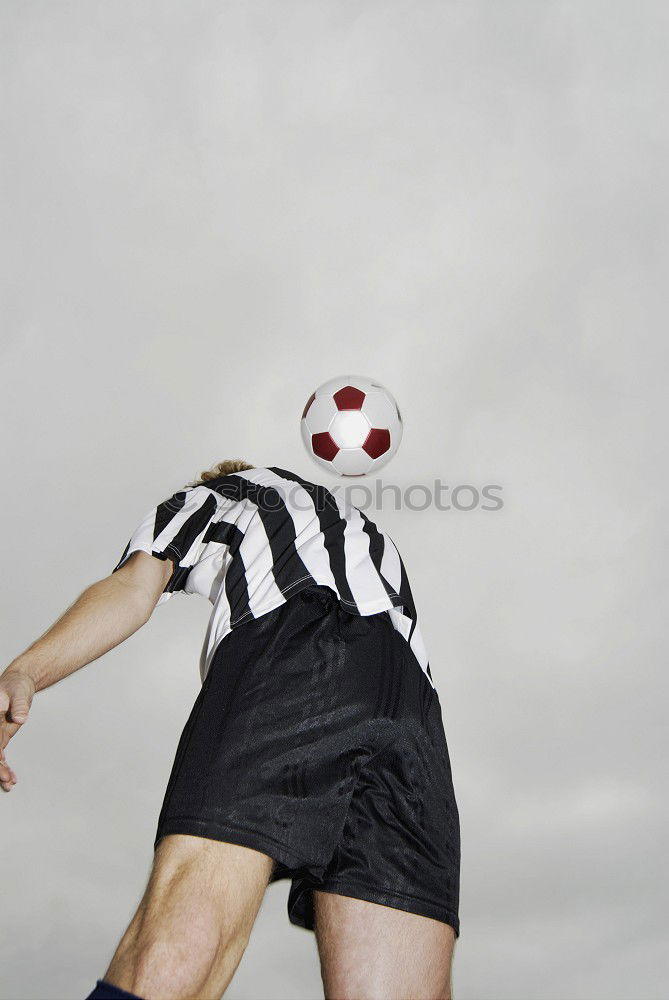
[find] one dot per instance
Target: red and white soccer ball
(351, 425)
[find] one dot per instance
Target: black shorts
(317, 739)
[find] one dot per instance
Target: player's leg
(194, 921)
(373, 952)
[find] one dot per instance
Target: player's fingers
(7, 776)
(4, 699)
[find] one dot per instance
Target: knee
(180, 957)
(176, 951)
(194, 921)
(181, 934)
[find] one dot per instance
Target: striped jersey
(248, 541)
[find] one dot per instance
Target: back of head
(224, 468)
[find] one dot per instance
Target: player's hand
(16, 695)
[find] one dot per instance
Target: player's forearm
(104, 615)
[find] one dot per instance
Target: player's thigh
(228, 880)
(370, 951)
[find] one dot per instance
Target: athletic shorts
(317, 739)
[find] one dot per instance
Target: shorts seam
(335, 883)
(235, 828)
(353, 884)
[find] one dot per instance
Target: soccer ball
(351, 425)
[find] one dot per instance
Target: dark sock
(107, 991)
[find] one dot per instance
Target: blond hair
(223, 468)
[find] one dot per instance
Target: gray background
(208, 210)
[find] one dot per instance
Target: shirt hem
(368, 608)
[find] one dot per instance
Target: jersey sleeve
(174, 529)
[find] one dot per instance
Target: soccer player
(315, 749)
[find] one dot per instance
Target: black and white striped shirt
(250, 540)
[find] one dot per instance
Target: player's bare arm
(105, 614)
